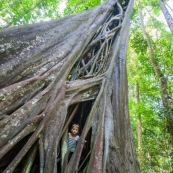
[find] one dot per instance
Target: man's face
(88, 55)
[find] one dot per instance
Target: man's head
(88, 55)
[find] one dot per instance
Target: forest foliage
(156, 149)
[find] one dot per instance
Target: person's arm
(83, 62)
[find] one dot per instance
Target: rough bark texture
(44, 88)
(167, 15)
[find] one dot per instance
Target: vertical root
(29, 163)
(41, 151)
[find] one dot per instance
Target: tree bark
(43, 89)
(139, 124)
(167, 15)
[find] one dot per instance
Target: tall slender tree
(163, 82)
(139, 124)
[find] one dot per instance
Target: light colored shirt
(72, 142)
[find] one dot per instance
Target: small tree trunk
(167, 15)
(165, 95)
(139, 124)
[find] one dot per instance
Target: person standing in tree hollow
(73, 139)
(87, 58)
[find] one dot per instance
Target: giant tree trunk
(44, 89)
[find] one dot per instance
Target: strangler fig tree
(47, 84)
